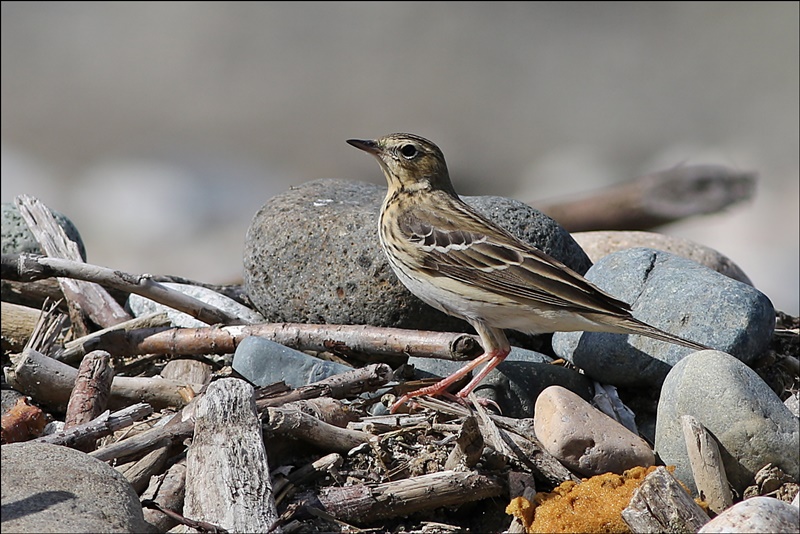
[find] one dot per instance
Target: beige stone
(759, 514)
(585, 439)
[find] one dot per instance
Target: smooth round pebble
(312, 255)
(678, 296)
(758, 514)
(602, 243)
(18, 239)
(749, 421)
(49, 488)
(140, 306)
(585, 439)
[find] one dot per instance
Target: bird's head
(408, 161)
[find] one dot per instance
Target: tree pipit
(459, 262)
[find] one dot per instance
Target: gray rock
(751, 424)
(679, 296)
(585, 439)
(312, 255)
(48, 488)
(264, 362)
(516, 383)
(759, 514)
(139, 306)
(17, 237)
(602, 243)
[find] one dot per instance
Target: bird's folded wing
(494, 263)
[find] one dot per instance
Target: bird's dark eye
(408, 151)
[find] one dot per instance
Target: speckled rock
(139, 306)
(759, 514)
(48, 488)
(602, 243)
(751, 424)
(312, 255)
(17, 237)
(585, 439)
(679, 296)
(516, 383)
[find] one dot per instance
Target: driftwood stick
(190, 371)
(83, 296)
(227, 476)
(28, 267)
(17, 324)
(48, 328)
(469, 447)
(177, 428)
(154, 320)
(315, 469)
(492, 435)
(339, 386)
(50, 382)
(235, 292)
(195, 526)
(364, 504)
(296, 424)
(104, 425)
(138, 472)
(285, 487)
(92, 389)
(357, 381)
(707, 467)
(31, 294)
(654, 199)
(326, 409)
(343, 339)
(167, 491)
(661, 504)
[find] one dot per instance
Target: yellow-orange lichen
(594, 505)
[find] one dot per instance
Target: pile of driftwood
(206, 449)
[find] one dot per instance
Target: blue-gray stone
(18, 239)
(265, 362)
(514, 384)
(676, 295)
(748, 420)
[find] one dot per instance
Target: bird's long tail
(635, 326)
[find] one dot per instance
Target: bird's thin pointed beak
(365, 145)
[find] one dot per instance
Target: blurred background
(161, 128)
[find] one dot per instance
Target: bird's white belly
(456, 298)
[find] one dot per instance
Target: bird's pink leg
(444, 384)
(496, 358)
(496, 348)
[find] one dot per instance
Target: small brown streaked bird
(456, 260)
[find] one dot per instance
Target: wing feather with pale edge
(473, 250)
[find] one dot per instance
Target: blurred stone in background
(160, 129)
